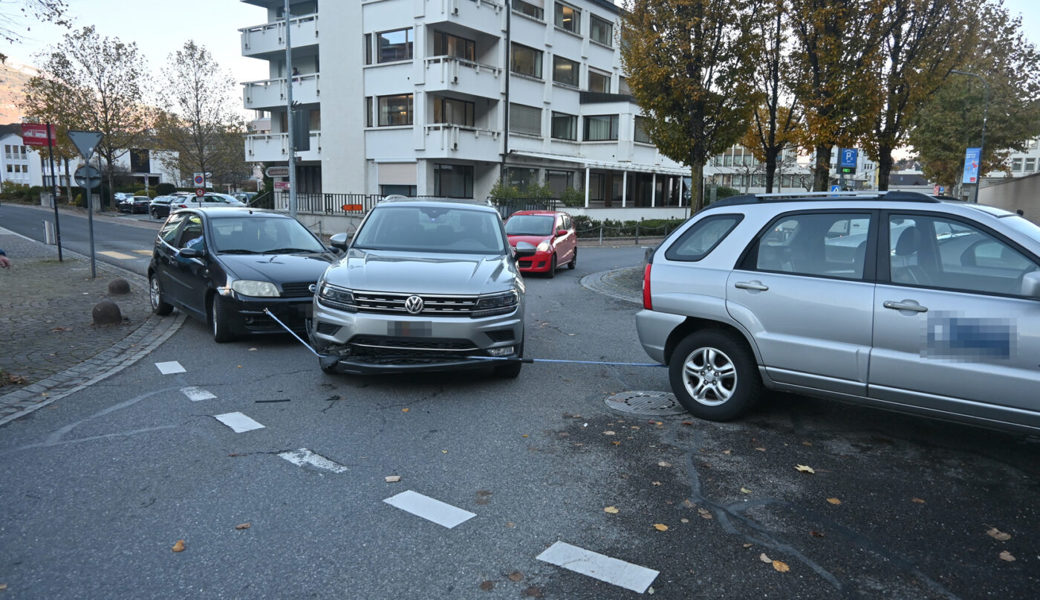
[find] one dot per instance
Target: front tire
(219, 322)
(552, 267)
(574, 259)
(511, 370)
(714, 376)
(159, 306)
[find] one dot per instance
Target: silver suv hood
(422, 273)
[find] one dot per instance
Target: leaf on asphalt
(253, 349)
(635, 427)
(660, 527)
(405, 410)
(524, 435)
(704, 513)
(616, 443)
(510, 524)
(998, 534)
(3, 586)
(727, 452)
(655, 483)
(744, 490)
(243, 526)
(664, 464)
(533, 592)
(834, 501)
(687, 503)
(807, 443)
(760, 449)
(392, 478)
(781, 566)
(917, 501)
(611, 509)
(179, 546)
(762, 557)
(684, 520)
(815, 533)
(804, 469)
(688, 423)
(444, 451)
(747, 545)
(487, 586)
(1006, 556)
(516, 576)
(609, 433)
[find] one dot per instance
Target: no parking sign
(199, 180)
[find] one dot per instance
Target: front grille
(297, 290)
(390, 303)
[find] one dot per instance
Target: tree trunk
(885, 164)
(697, 184)
(770, 170)
(68, 183)
(822, 170)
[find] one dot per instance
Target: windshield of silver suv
(432, 229)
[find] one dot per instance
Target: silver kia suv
(424, 285)
(896, 300)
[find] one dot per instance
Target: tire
(552, 267)
(218, 321)
(511, 370)
(159, 306)
(714, 375)
(574, 259)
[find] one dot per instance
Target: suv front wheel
(714, 376)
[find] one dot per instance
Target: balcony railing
(270, 37)
(271, 93)
(480, 15)
(447, 140)
(274, 147)
(445, 73)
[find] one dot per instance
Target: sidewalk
(49, 346)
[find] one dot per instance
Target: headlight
(246, 287)
(544, 247)
(335, 297)
(497, 304)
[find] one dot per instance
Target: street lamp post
(982, 142)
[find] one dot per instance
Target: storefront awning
(601, 164)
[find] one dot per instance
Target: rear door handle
(905, 305)
(756, 285)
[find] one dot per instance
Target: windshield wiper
(238, 251)
(289, 250)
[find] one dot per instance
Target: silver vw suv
(424, 285)
(896, 300)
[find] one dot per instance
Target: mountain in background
(13, 77)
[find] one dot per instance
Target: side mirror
(1031, 284)
(190, 253)
(561, 232)
(524, 249)
(340, 241)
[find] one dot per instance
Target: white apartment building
(19, 163)
(444, 97)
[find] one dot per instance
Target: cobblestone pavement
(49, 346)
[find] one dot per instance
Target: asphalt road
(98, 488)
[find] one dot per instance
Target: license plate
(410, 328)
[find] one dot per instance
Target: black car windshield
(261, 234)
(432, 229)
(529, 225)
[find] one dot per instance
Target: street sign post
(42, 134)
(277, 171)
(88, 177)
(86, 142)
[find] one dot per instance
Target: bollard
(48, 233)
(637, 234)
(601, 234)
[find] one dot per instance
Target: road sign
(88, 177)
(835, 188)
(85, 142)
(200, 192)
(281, 185)
(35, 134)
(277, 171)
(847, 159)
(972, 157)
(199, 180)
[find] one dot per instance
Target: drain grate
(646, 403)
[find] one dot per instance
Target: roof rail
(893, 196)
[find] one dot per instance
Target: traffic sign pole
(54, 192)
(85, 142)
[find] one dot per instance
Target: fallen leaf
(688, 423)
(510, 524)
(807, 443)
(704, 513)
(834, 501)
(781, 566)
(727, 452)
(635, 427)
(747, 545)
(405, 409)
(660, 527)
(762, 557)
(1006, 556)
(487, 586)
(611, 509)
(252, 349)
(533, 592)
(609, 433)
(392, 478)
(444, 451)
(3, 586)
(687, 503)
(664, 464)
(524, 435)
(179, 546)
(616, 443)
(815, 533)
(655, 483)
(516, 576)
(917, 500)
(684, 520)
(744, 490)
(760, 449)
(243, 526)
(804, 468)
(998, 535)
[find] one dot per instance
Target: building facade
(19, 163)
(448, 97)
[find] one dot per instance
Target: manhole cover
(646, 403)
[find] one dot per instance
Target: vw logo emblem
(413, 305)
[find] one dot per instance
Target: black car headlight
(335, 297)
(496, 304)
(259, 289)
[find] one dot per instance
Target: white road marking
(304, 456)
(238, 422)
(196, 394)
(611, 570)
(146, 252)
(430, 509)
(171, 367)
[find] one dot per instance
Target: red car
(552, 234)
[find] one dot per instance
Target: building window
(526, 8)
(600, 128)
(453, 181)
(622, 87)
(1016, 164)
(599, 82)
(400, 190)
(564, 126)
(565, 71)
(640, 134)
(368, 111)
(445, 44)
(601, 30)
(526, 61)
(525, 119)
(368, 48)
(558, 181)
(455, 112)
(568, 18)
(522, 178)
(1030, 165)
(394, 45)
(395, 110)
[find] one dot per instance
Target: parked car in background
(140, 204)
(551, 233)
(160, 205)
(224, 266)
(895, 300)
(246, 197)
(425, 285)
(208, 200)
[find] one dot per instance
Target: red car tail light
(647, 304)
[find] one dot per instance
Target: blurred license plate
(410, 328)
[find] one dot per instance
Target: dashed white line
(196, 394)
(430, 509)
(611, 570)
(238, 422)
(169, 368)
(304, 456)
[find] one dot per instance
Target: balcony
(264, 41)
(270, 94)
(445, 140)
(479, 15)
(448, 73)
(274, 147)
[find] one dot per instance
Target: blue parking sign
(848, 157)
